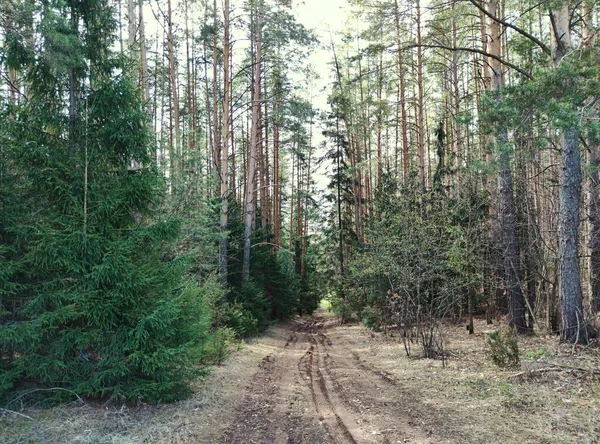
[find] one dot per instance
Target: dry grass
(199, 419)
(473, 401)
(469, 401)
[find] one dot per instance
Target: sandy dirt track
(315, 390)
(313, 381)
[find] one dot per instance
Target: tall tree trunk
(339, 162)
(223, 244)
(402, 96)
(264, 161)
(456, 111)
(594, 182)
(292, 183)
(216, 148)
(379, 118)
(132, 24)
(420, 104)
(513, 274)
(212, 163)
(276, 186)
(189, 86)
(250, 201)
(354, 149)
(143, 53)
(569, 279)
(594, 192)
(73, 93)
(174, 125)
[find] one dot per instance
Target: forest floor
(313, 381)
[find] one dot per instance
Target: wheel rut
(312, 389)
(309, 367)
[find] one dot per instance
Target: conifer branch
(475, 50)
(511, 26)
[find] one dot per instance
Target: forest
(177, 176)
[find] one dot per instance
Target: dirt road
(315, 389)
(312, 381)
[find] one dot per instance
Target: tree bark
(223, 244)
(174, 156)
(143, 53)
(276, 190)
(569, 279)
(510, 240)
(420, 104)
(513, 275)
(594, 183)
(216, 148)
(401, 98)
(250, 200)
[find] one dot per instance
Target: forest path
(313, 387)
(312, 381)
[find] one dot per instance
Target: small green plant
(503, 348)
(219, 345)
(537, 354)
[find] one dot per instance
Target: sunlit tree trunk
(276, 141)
(401, 96)
(457, 140)
(420, 104)
(255, 134)
(216, 148)
(175, 157)
(224, 174)
(143, 53)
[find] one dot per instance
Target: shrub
(503, 348)
(250, 298)
(218, 347)
(241, 321)
(371, 318)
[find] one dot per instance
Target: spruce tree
(90, 299)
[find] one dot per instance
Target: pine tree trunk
(131, 17)
(174, 156)
(379, 119)
(250, 201)
(402, 96)
(73, 93)
(216, 154)
(276, 190)
(511, 252)
(594, 192)
(189, 86)
(456, 112)
(339, 161)
(143, 53)
(507, 222)
(264, 161)
(569, 278)
(420, 105)
(594, 182)
(223, 244)
(568, 237)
